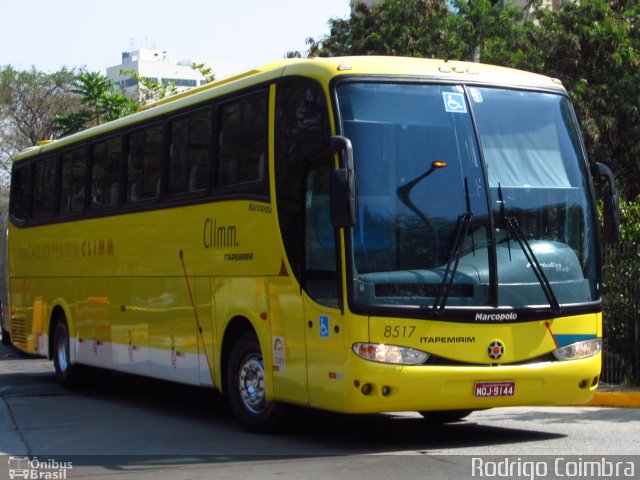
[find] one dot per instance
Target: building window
(179, 82)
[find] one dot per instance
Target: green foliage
(621, 285)
(592, 45)
(29, 99)
(429, 28)
(392, 27)
(150, 91)
(205, 71)
(630, 222)
(37, 106)
(100, 102)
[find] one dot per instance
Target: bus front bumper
(378, 387)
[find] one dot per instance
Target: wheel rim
(251, 384)
(63, 348)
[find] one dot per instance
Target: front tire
(246, 390)
(67, 373)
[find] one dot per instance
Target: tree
(150, 91)
(392, 27)
(429, 28)
(37, 106)
(29, 100)
(100, 102)
(594, 47)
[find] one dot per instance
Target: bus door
(322, 314)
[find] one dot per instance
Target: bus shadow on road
(386, 433)
(206, 415)
(306, 431)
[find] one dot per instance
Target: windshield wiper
(514, 229)
(455, 252)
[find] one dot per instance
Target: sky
(230, 36)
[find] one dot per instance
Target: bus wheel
(445, 416)
(246, 388)
(6, 337)
(66, 372)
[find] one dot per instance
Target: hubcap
(251, 384)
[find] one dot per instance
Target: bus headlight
(584, 349)
(379, 352)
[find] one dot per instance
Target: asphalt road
(120, 426)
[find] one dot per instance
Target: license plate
(494, 389)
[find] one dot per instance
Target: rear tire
(246, 389)
(445, 416)
(6, 338)
(67, 373)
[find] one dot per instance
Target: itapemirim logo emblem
(496, 350)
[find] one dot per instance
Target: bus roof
(322, 69)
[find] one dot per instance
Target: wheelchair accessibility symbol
(454, 102)
(324, 326)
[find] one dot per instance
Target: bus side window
(105, 173)
(20, 202)
(242, 140)
(144, 164)
(189, 153)
(71, 198)
(44, 172)
(320, 277)
(301, 137)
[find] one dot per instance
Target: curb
(616, 399)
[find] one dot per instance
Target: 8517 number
(397, 331)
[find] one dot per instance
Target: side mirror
(611, 203)
(343, 186)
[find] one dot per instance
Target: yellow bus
(359, 235)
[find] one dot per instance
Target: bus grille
(19, 330)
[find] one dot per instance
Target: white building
(157, 66)
(552, 4)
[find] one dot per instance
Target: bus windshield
(468, 197)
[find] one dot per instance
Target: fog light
(386, 391)
(366, 389)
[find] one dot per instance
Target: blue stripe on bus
(567, 339)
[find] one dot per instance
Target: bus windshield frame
(474, 202)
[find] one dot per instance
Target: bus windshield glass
(468, 197)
